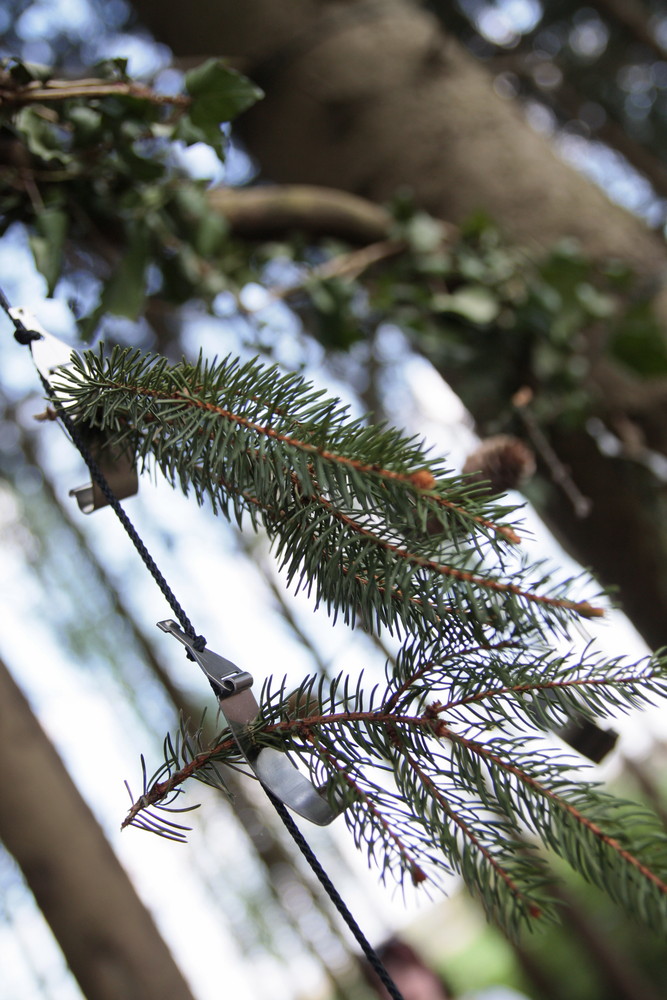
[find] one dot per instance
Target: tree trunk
(371, 97)
(106, 934)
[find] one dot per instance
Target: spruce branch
(428, 790)
(343, 502)
(447, 766)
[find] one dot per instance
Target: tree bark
(372, 97)
(106, 934)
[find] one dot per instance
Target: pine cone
(502, 461)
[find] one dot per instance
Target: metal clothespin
(239, 706)
(50, 353)
(116, 466)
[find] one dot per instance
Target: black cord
(25, 336)
(114, 503)
(21, 331)
(373, 958)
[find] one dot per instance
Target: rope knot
(25, 336)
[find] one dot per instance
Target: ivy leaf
(595, 303)
(219, 92)
(424, 233)
(565, 269)
(41, 137)
(23, 73)
(206, 230)
(47, 244)
(87, 123)
(124, 293)
(334, 322)
(218, 95)
(209, 236)
(112, 69)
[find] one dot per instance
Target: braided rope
(25, 336)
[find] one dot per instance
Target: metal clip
(116, 466)
(50, 353)
(239, 706)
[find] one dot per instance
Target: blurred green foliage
(94, 163)
(494, 317)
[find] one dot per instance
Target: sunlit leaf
(475, 303)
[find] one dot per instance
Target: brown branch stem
(546, 686)
(391, 703)
(65, 90)
(411, 479)
(583, 608)
(417, 874)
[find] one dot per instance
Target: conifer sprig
(359, 515)
(433, 787)
(435, 768)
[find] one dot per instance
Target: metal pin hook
(239, 706)
(48, 352)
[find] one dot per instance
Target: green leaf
(206, 230)
(474, 302)
(47, 244)
(25, 72)
(41, 137)
(210, 235)
(87, 124)
(424, 233)
(595, 303)
(188, 133)
(479, 225)
(335, 325)
(125, 292)
(218, 94)
(565, 269)
(638, 341)
(112, 69)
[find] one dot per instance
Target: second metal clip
(239, 706)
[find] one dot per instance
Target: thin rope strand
(25, 336)
(127, 524)
(335, 897)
